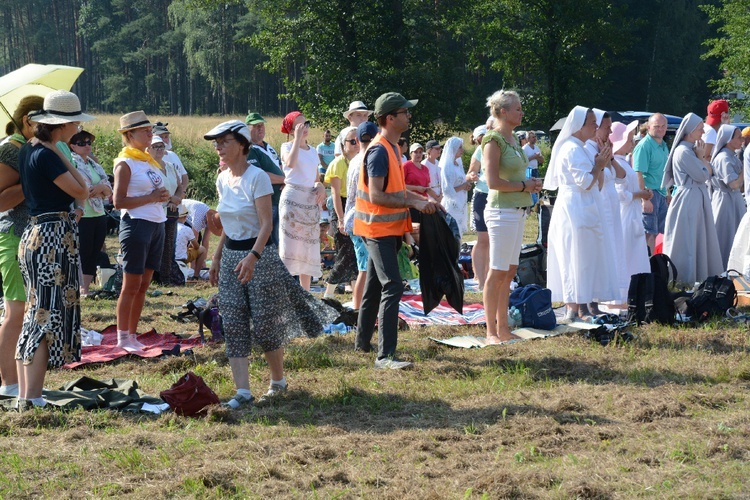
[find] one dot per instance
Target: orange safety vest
(377, 221)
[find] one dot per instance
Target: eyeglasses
(353, 142)
(157, 146)
(405, 111)
(81, 144)
(222, 143)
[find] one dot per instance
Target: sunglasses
(308, 124)
(81, 144)
(160, 146)
(353, 142)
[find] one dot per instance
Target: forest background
(204, 57)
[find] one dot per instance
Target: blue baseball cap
(366, 131)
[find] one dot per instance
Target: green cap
(254, 118)
(391, 101)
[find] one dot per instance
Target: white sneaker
(392, 364)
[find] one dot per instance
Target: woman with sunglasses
(92, 226)
(140, 193)
(299, 206)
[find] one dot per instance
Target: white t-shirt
(143, 180)
(531, 151)
(237, 201)
(305, 173)
(184, 236)
(709, 134)
(172, 158)
(434, 175)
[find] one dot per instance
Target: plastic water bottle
(336, 328)
(514, 318)
(216, 333)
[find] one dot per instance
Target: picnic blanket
(469, 341)
(155, 343)
(410, 309)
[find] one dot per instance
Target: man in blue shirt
(649, 158)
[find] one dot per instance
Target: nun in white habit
(690, 234)
(726, 198)
(454, 183)
(609, 206)
(634, 247)
(577, 248)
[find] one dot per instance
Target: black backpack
(713, 297)
(649, 298)
(532, 266)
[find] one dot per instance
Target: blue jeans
(383, 290)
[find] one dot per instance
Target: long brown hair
(27, 105)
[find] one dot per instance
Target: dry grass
(666, 415)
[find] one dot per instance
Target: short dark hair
(242, 140)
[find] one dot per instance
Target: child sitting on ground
(186, 248)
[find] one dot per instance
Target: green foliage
(730, 47)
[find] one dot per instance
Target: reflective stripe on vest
(376, 221)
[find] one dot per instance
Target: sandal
(738, 316)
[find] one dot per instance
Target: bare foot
(506, 338)
(492, 340)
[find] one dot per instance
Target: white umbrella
(33, 79)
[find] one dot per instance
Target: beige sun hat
(134, 120)
(356, 106)
(60, 107)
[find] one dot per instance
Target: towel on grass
(154, 342)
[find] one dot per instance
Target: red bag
(189, 396)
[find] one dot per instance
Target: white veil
(449, 153)
(689, 123)
(726, 132)
(573, 123)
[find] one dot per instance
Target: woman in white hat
(634, 246)
(262, 305)
(48, 251)
(140, 193)
(169, 270)
(14, 215)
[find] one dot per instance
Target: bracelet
(524, 186)
(257, 255)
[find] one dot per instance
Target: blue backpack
(535, 304)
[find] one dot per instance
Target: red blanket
(411, 310)
(154, 342)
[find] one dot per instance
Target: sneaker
(391, 363)
(275, 391)
(237, 401)
(9, 390)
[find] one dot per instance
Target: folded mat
(468, 341)
(155, 343)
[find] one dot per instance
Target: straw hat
(134, 120)
(356, 106)
(60, 107)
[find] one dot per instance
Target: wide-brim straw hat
(134, 120)
(60, 107)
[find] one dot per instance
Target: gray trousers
(383, 290)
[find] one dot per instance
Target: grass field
(666, 416)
